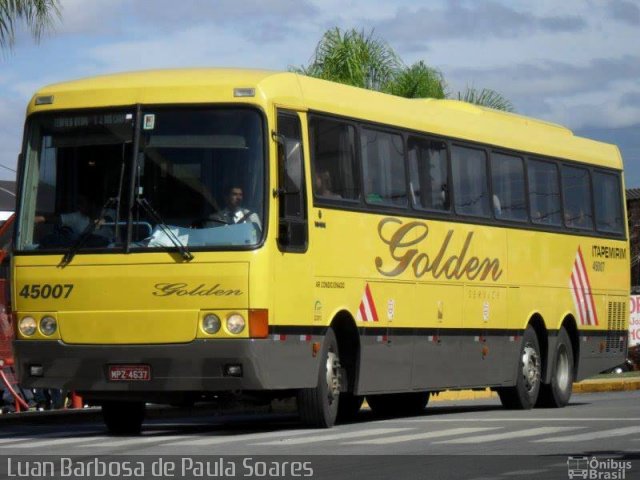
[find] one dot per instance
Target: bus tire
(123, 418)
(557, 393)
(349, 406)
(397, 404)
(318, 407)
(524, 394)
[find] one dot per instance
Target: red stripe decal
(372, 305)
(363, 313)
(590, 295)
(578, 296)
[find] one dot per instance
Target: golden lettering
(404, 254)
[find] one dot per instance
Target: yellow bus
(184, 235)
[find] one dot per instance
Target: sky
(573, 62)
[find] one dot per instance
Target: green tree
(417, 81)
(353, 58)
(486, 98)
(38, 15)
(363, 60)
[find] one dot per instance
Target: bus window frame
(618, 178)
(592, 206)
(429, 139)
(395, 132)
(318, 200)
(452, 216)
(523, 163)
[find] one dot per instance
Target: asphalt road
(473, 439)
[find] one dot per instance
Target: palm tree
(353, 58)
(417, 81)
(362, 60)
(39, 15)
(486, 98)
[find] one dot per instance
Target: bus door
(293, 292)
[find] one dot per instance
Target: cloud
(200, 46)
(95, 17)
(624, 11)
(554, 77)
(631, 98)
(258, 20)
(602, 92)
(473, 20)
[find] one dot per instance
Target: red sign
(129, 373)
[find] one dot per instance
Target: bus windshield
(106, 181)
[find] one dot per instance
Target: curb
(585, 386)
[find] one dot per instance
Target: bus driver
(233, 212)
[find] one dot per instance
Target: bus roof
(450, 118)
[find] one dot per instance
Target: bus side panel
(439, 311)
(386, 340)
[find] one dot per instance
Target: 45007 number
(46, 291)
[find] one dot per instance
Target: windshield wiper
(155, 216)
(86, 233)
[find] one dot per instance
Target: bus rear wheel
(524, 394)
(123, 418)
(318, 407)
(396, 404)
(557, 393)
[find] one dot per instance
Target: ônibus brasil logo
(597, 469)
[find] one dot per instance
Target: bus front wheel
(123, 418)
(524, 394)
(557, 393)
(318, 407)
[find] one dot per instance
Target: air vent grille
(616, 315)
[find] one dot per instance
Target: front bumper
(197, 366)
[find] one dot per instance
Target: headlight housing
(27, 326)
(48, 325)
(211, 323)
(235, 323)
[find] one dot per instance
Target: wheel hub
(562, 369)
(530, 368)
(333, 375)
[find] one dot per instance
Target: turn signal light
(259, 323)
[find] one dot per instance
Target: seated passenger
(69, 226)
(323, 185)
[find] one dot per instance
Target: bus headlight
(27, 326)
(48, 325)
(235, 323)
(211, 323)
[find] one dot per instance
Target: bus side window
(469, 167)
(429, 172)
(333, 154)
(383, 168)
(544, 192)
(509, 202)
(576, 189)
(608, 202)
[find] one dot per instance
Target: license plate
(129, 373)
